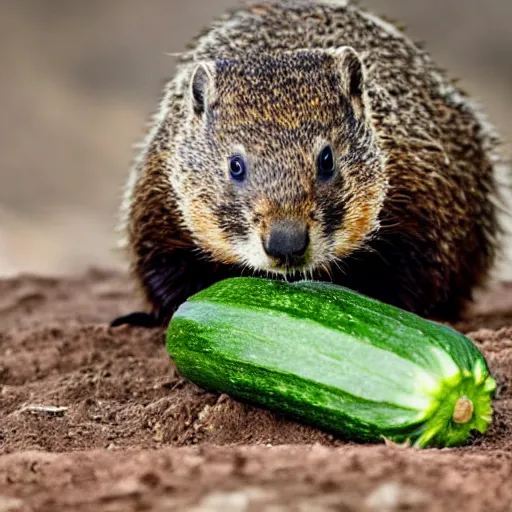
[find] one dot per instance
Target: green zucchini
(330, 357)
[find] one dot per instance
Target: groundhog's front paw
(137, 319)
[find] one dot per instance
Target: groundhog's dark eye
(325, 163)
(237, 167)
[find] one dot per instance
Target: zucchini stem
(463, 411)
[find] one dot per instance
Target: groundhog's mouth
(292, 268)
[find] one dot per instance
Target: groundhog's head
(277, 166)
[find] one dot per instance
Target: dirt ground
(126, 433)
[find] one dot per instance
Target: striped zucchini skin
(325, 355)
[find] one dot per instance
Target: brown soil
(129, 434)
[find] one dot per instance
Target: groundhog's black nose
(287, 239)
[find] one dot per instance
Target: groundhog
(312, 140)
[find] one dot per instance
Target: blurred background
(78, 80)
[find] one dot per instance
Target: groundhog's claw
(137, 319)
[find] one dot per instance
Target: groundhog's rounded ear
(202, 86)
(352, 79)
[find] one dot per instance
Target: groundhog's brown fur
(407, 217)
